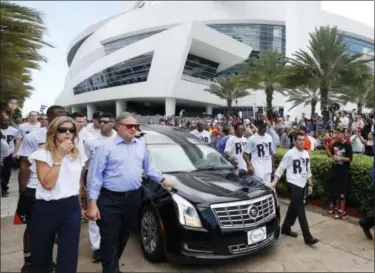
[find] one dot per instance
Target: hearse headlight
(187, 214)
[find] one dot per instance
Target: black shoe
(289, 233)
(96, 256)
(25, 268)
(52, 267)
(311, 241)
(5, 193)
(366, 230)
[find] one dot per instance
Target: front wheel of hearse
(151, 235)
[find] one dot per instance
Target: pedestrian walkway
(342, 248)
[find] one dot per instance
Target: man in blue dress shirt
(113, 188)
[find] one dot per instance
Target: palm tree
(21, 38)
(307, 96)
(361, 94)
(227, 88)
(327, 62)
(266, 72)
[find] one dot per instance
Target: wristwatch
(56, 164)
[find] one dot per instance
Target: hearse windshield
(172, 158)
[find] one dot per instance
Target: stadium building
(158, 57)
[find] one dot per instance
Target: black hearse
(209, 216)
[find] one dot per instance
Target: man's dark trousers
(296, 210)
(118, 211)
(6, 172)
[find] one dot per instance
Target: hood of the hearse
(205, 188)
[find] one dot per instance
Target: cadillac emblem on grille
(252, 211)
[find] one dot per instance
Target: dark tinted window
(199, 68)
(130, 71)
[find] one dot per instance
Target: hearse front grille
(245, 213)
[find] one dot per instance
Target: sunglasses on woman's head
(62, 130)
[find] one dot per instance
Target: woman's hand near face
(65, 148)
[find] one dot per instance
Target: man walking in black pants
(296, 162)
(114, 188)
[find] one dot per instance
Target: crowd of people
(319, 134)
(253, 149)
(71, 169)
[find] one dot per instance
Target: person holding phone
(57, 211)
(368, 144)
(355, 140)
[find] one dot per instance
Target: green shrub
(360, 189)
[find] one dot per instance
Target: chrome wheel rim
(149, 232)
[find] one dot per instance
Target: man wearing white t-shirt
(26, 128)
(8, 133)
(28, 180)
(235, 147)
(201, 133)
(313, 140)
(259, 153)
(107, 123)
(296, 162)
(94, 127)
(83, 135)
(4, 150)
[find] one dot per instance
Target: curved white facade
(166, 45)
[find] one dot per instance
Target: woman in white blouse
(57, 210)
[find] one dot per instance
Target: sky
(66, 19)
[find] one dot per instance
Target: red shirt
(330, 143)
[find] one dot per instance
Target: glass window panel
(201, 68)
(127, 72)
(259, 37)
(120, 43)
(356, 45)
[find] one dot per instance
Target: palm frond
(22, 30)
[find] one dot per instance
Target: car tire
(151, 236)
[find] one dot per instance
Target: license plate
(256, 235)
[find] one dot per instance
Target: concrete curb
(311, 208)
